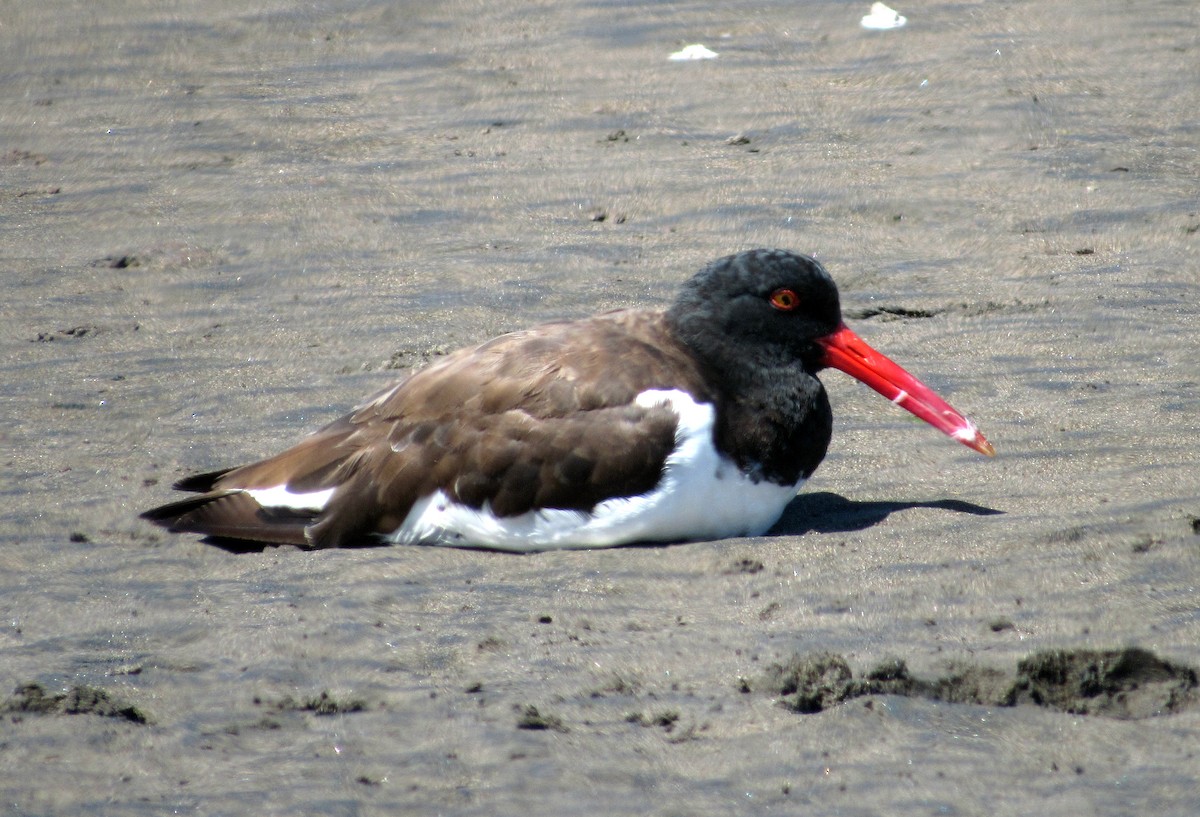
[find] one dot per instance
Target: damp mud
(1129, 684)
(222, 227)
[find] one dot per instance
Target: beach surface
(221, 228)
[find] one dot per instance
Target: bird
(696, 422)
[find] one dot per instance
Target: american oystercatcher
(698, 422)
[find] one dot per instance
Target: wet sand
(221, 229)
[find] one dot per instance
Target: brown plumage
(534, 419)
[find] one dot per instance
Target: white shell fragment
(882, 18)
(696, 51)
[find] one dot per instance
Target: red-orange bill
(845, 350)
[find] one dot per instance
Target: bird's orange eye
(785, 300)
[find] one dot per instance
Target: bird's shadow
(826, 512)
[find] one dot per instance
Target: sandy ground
(221, 228)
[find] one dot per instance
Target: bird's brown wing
(545, 418)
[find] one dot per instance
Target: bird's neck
(773, 418)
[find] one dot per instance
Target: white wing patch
(281, 497)
(702, 495)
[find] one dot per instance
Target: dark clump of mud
(1128, 684)
(35, 699)
(323, 704)
(531, 718)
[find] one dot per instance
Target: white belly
(702, 495)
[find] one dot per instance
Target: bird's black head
(759, 305)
